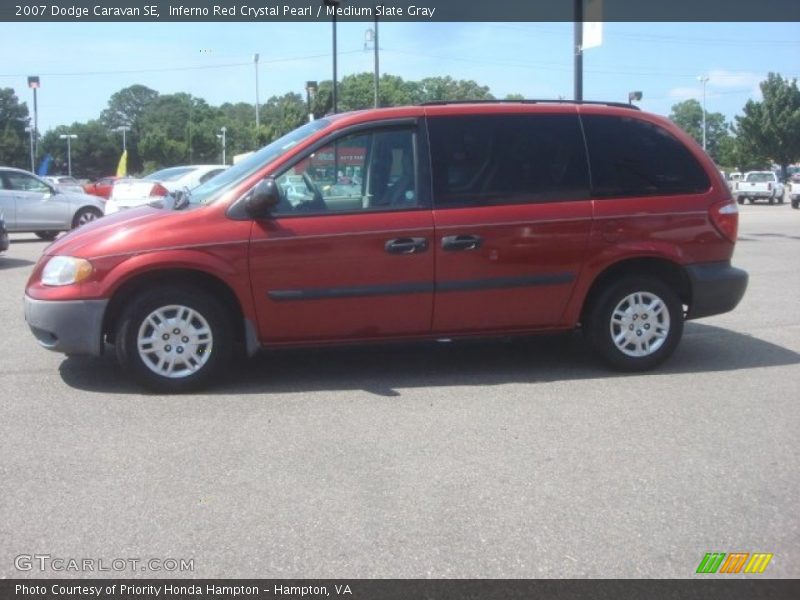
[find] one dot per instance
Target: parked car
(3, 234)
(30, 203)
(469, 220)
(128, 193)
(65, 183)
(794, 190)
(756, 185)
(102, 187)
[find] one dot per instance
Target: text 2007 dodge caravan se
(430, 221)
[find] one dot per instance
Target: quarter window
(507, 159)
(630, 157)
(360, 172)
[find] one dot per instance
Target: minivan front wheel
(174, 338)
(636, 323)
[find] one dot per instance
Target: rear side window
(629, 157)
(484, 160)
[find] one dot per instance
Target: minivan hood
(135, 230)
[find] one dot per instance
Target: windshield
(211, 190)
(760, 177)
(170, 174)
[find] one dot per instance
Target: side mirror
(264, 197)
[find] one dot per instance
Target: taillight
(736, 186)
(159, 190)
(769, 187)
(725, 217)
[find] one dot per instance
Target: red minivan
(433, 221)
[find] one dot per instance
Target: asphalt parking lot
(483, 459)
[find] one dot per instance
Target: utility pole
(33, 83)
(578, 25)
(255, 62)
(704, 79)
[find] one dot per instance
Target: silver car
(64, 183)
(29, 203)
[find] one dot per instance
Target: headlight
(65, 270)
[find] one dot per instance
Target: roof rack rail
(531, 101)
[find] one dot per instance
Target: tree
(442, 89)
(280, 115)
(95, 152)
(688, 115)
(125, 109)
(14, 142)
(772, 127)
(736, 156)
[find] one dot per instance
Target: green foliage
(771, 128)
(14, 141)
(95, 153)
(688, 115)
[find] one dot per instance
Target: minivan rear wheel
(174, 338)
(636, 323)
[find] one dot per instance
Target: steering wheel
(317, 203)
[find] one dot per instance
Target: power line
(185, 68)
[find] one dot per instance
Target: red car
(468, 220)
(102, 187)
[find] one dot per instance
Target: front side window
(360, 172)
(630, 157)
(484, 160)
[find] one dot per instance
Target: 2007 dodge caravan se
(443, 220)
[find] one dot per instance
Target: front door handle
(409, 245)
(461, 242)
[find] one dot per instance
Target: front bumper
(68, 326)
(716, 288)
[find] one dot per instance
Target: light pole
(371, 35)
(221, 136)
(29, 130)
(634, 96)
(255, 63)
(704, 79)
(69, 137)
(123, 129)
(311, 92)
(33, 83)
(335, 5)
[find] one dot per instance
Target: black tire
(796, 204)
(599, 325)
(780, 199)
(203, 365)
(85, 215)
(740, 199)
(47, 235)
(772, 199)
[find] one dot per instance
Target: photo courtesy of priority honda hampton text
(422, 222)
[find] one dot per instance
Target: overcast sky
(82, 64)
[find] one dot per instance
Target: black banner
(399, 589)
(396, 10)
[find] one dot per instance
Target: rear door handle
(409, 245)
(461, 242)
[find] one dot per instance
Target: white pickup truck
(756, 185)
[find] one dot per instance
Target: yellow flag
(122, 167)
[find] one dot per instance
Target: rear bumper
(716, 288)
(71, 327)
